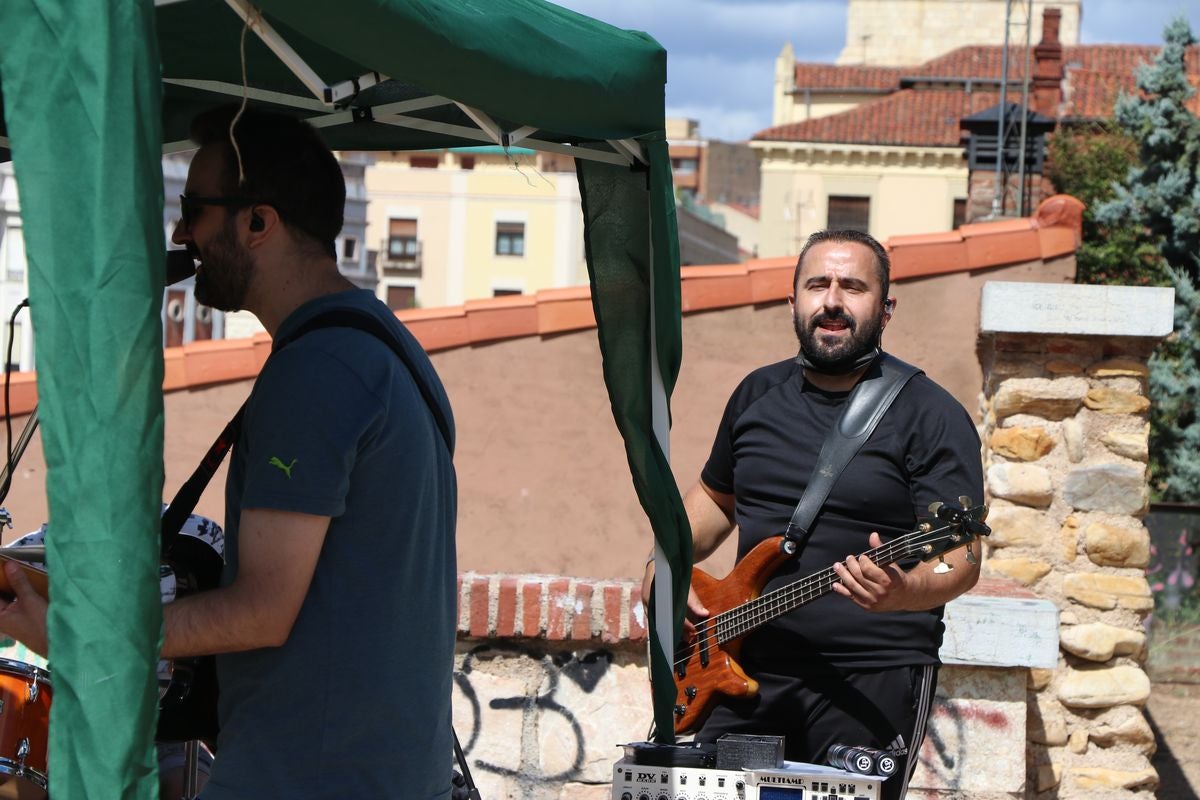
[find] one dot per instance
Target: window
(423, 162)
(684, 166)
(466, 162)
(510, 238)
(960, 213)
(849, 213)
(349, 248)
(401, 297)
(402, 240)
(505, 292)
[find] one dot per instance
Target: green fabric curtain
(634, 269)
(86, 113)
(81, 99)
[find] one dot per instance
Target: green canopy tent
(87, 111)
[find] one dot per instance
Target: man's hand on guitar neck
(890, 588)
(24, 617)
(710, 515)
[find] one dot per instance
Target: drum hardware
(191, 769)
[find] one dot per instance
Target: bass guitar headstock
(952, 527)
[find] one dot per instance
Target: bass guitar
(707, 667)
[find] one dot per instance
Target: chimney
(1048, 66)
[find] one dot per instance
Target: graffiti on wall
(532, 710)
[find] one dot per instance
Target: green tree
(1161, 197)
(1087, 162)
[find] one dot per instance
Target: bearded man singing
(857, 667)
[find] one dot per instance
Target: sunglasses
(190, 205)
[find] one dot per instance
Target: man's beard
(226, 268)
(839, 357)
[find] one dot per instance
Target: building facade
(451, 225)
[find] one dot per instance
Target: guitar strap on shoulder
(188, 496)
(868, 402)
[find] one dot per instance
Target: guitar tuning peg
(983, 514)
(971, 559)
(964, 501)
(942, 568)
(934, 507)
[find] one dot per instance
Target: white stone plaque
(1076, 309)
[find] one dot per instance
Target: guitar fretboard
(740, 620)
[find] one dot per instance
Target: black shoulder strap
(867, 404)
(189, 493)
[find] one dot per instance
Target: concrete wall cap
(1011, 307)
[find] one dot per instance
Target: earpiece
(256, 222)
(888, 304)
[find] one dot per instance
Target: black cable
(12, 326)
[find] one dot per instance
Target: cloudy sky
(721, 53)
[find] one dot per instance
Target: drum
(24, 730)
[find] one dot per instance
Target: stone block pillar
(1065, 451)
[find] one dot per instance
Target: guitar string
(761, 609)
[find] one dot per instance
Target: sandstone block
(1077, 742)
(1116, 488)
(1096, 641)
(1109, 591)
(1104, 687)
(1114, 401)
(1026, 570)
(1022, 444)
(1113, 546)
(1135, 446)
(1099, 778)
(1073, 436)
(1119, 368)
(1123, 725)
(1040, 678)
(1052, 399)
(1015, 526)
(1046, 723)
(1068, 537)
(1048, 776)
(1060, 367)
(1021, 483)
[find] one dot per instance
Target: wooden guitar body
(711, 667)
(707, 667)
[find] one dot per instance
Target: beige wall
(912, 190)
(901, 32)
(457, 211)
(544, 484)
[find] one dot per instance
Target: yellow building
(452, 225)
(879, 148)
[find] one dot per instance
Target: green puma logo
(285, 468)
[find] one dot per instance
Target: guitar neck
(740, 620)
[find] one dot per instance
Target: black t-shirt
(924, 449)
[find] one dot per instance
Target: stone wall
(1066, 445)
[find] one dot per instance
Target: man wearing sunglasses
(334, 623)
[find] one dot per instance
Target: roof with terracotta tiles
(908, 117)
(917, 112)
(1053, 231)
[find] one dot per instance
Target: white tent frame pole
(252, 17)
(236, 90)
(521, 133)
(631, 148)
(660, 420)
(485, 123)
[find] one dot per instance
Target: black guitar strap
(868, 402)
(189, 493)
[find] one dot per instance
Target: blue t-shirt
(356, 703)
